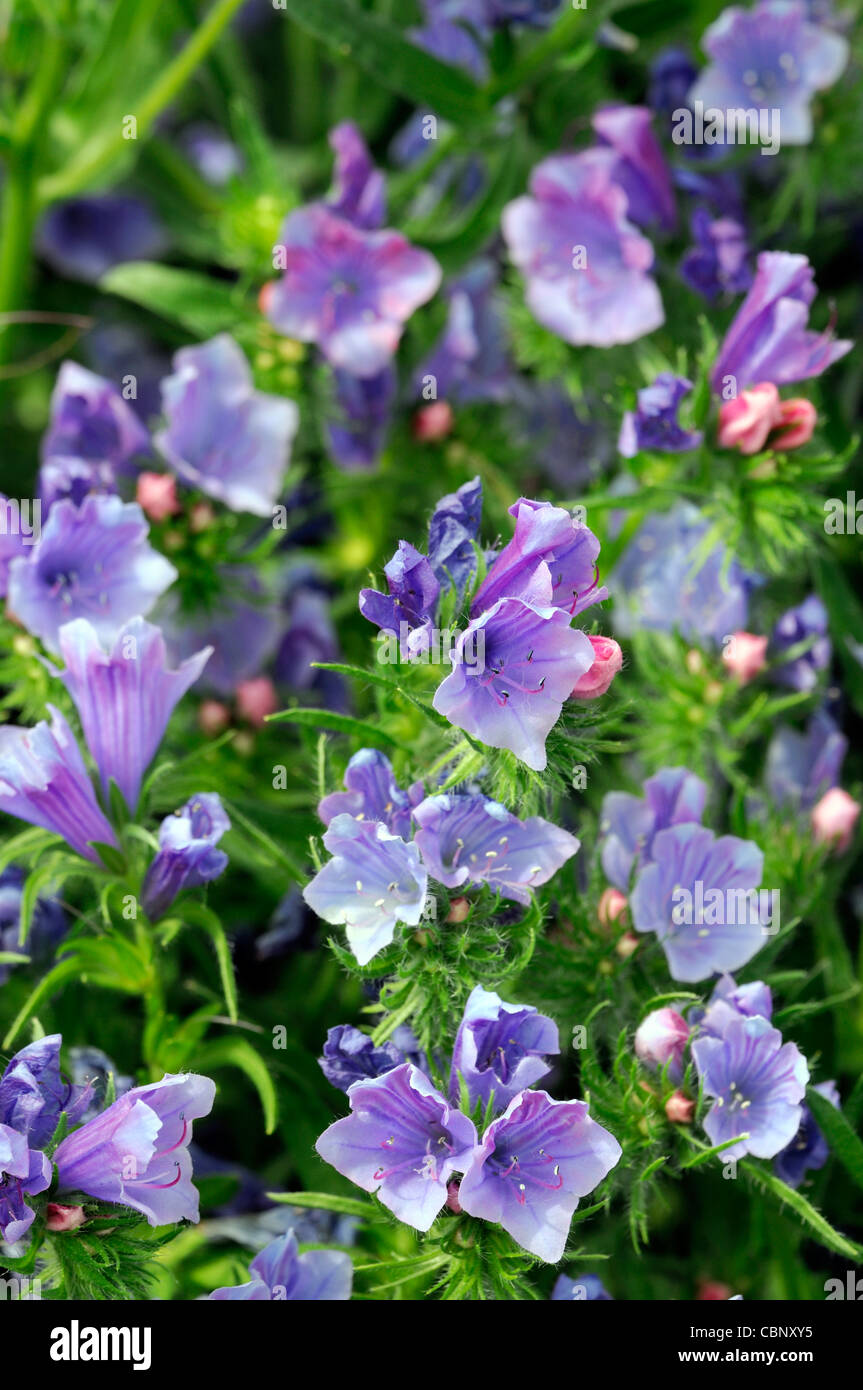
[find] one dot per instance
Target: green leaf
(339, 723)
(201, 916)
(841, 1138)
(48, 985)
(818, 1227)
(199, 304)
(390, 58)
(326, 1201)
(237, 1052)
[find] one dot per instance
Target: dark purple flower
(43, 780)
(223, 436)
(280, 1272)
(699, 895)
(33, 1094)
(808, 1149)
(768, 339)
(469, 839)
(757, 1084)
(533, 1165)
(23, 1173)
(349, 290)
(802, 767)
(549, 534)
(84, 237)
(350, 1056)
(373, 880)
(587, 1288)
(124, 698)
(136, 1152)
(187, 854)
(500, 1048)
(672, 74)
(413, 593)
(91, 423)
(770, 56)
(359, 191)
(402, 1141)
(718, 263)
(74, 479)
(452, 531)
(629, 823)
(373, 794)
(585, 264)
(358, 422)
(469, 362)
(532, 658)
(654, 425)
(92, 561)
(48, 924)
(641, 170)
(807, 623)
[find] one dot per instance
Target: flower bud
(458, 910)
(745, 656)
(746, 421)
(834, 819)
(433, 423)
(156, 494)
(612, 905)
(660, 1038)
(797, 423)
(63, 1218)
(679, 1108)
(607, 661)
(452, 1196)
(213, 716)
(256, 699)
(626, 945)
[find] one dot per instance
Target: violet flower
(470, 362)
(718, 263)
(83, 238)
(187, 854)
(808, 1149)
(584, 1288)
(373, 794)
(654, 425)
(403, 1141)
(48, 924)
(359, 189)
(453, 529)
(757, 1084)
(568, 547)
(500, 1048)
(24, 1172)
(358, 421)
(413, 593)
(33, 1094)
(350, 1056)
(806, 623)
(136, 1152)
(629, 823)
(92, 423)
(801, 767)
(73, 479)
(280, 1272)
(641, 170)
(730, 1001)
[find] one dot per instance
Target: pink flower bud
(834, 819)
(797, 423)
(711, 1291)
(62, 1218)
(256, 699)
(745, 422)
(611, 906)
(660, 1038)
(607, 661)
(156, 494)
(213, 716)
(458, 910)
(452, 1196)
(679, 1108)
(626, 945)
(433, 422)
(745, 655)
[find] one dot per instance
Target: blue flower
(641, 170)
(730, 1001)
(23, 1172)
(33, 1094)
(281, 1272)
(805, 623)
(413, 593)
(187, 854)
(500, 1048)
(350, 1056)
(718, 262)
(359, 192)
(628, 823)
(808, 1149)
(91, 423)
(453, 528)
(802, 767)
(84, 238)
(654, 425)
(587, 1288)
(359, 418)
(373, 794)
(757, 1083)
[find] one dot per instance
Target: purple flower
(808, 1149)
(13, 540)
(452, 531)
(535, 13)
(628, 823)
(23, 1172)
(187, 854)
(566, 545)
(413, 593)
(768, 339)
(730, 1001)
(585, 264)
(802, 767)
(33, 1094)
(281, 1272)
(468, 839)
(74, 479)
(641, 170)
(373, 794)
(587, 1288)
(470, 362)
(654, 425)
(532, 660)
(805, 623)
(373, 881)
(47, 928)
(718, 262)
(43, 780)
(451, 33)
(500, 1048)
(93, 562)
(402, 1140)
(757, 1084)
(215, 157)
(698, 895)
(664, 581)
(359, 192)
(672, 74)
(359, 419)
(136, 1152)
(242, 626)
(84, 237)
(222, 435)
(771, 57)
(533, 1165)
(347, 289)
(91, 423)
(124, 699)
(350, 1056)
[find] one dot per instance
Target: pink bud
(607, 661)
(745, 655)
(256, 699)
(626, 945)
(745, 422)
(797, 423)
(433, 422)
(452, 1196)
(458, 910)
(62, 1218)
(834, 819)
(660, 1038)
(711, 1291)
(679, 1108)
(156, 493)
(611, 905)
(213, 716)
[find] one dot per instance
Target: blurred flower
(757, 1084)
(587, 1288)
(74, 479)
(747, 419)
(359, 191)
(216, 158)
(256, 698)
(744, 656)
(92, 561)
(770, 56)
(156, 495)
(241, 623)
(611, 906)
(373, 794)
(584, 262)
(805, 623)
(48, 923)
(641, 170)
(834, 819)
(654, 425)
(59, 1217)
(310, 636)
(679, 1109)
(672, 74)
(84, 238)
(402, 1141)
(451, 32)
(280, 1272)
(500, 1048)
(797, 420)
(628, 824)
(470, 361)
(222, 435)
(718, 262)
(91, 422)
(808, 1149)
(136, 1152)
(661, 1038)
(187, 854)
(359, 419)
(801, 767)
(432, 423)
